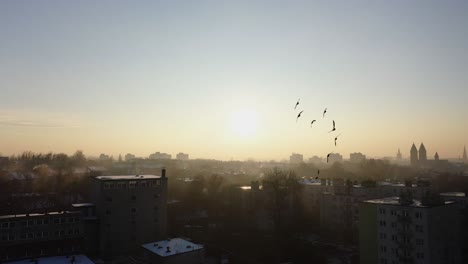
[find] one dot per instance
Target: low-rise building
(40, 234)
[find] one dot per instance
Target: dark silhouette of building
(422, 153)
(436, 156)
(465, 159)
(414, 156)
(131, 211)
(398, 155)
(40, 234)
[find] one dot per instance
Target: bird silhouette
(297, 104)
(328, 156)
(324, 112)
(312, 122)
(299, 115)
(318, 172)
(333, 127)
(336, 138)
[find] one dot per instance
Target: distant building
(129, 157)
(131, 211)
(465, 158)
(335, 157)
(182, 156)
(175, 250)
(296, 158)
(397, 230)
(419, 158)
(159, 155)
(40, 234)
(315, 159)
(398, 155)
(357, 157)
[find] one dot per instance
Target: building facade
(33, 235)
(131, 211)
(392, 231)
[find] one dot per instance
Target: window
(383, 248)
(418, 228)
(418, 215)
(45, 221)
(131, 184)
(56, 220)
(11, 237)
(419, 242)
(420, 255)
(45, 234)
(108, 212)
(30, 235)
(394, 225)
(71, 220)
(382, 211)
(133, 197)
(383, 236)
(133, 210)
(30, 222)
(70, 232)
(382, 223)
(12, 224)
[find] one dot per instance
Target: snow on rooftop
(173, 246)
(395, 200)
(453, 194)
(128, 177)
(79, 259)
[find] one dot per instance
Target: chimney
(163, 172)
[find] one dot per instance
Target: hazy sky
(219, 79)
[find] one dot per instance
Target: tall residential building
(182, 156)
(335, 157)
(296, 158)
(394, 230)
(131, 211)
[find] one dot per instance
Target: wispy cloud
(35, 120)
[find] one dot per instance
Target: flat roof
(454, 194)
(78, 205)
(81, 259)
(170, 247)
(127, 177)
(39, 214)
(395, 200)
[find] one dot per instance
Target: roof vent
(168, 250)
(155, 244)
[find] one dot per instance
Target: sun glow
(244, 123)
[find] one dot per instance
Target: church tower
(422, 154)
(465, 159)
(436, 156)
(414, 155)
(398, 155)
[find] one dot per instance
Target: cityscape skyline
(220, 80)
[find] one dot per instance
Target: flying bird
(336, 138)
(333, 127)
(297, 104)
(299, 115)
(324, 112)
(318, 172)
(312, 122)
(328, 156)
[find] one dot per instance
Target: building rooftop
(38, 214)
(127, 177)
(453, 194)
(170, 247)
(79, 259)
(79, 205)
(395, 200)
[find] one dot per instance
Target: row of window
(39, 222)
(131, 184)
(42, 234)
(42, 252)
(383, 249)
(418, 215)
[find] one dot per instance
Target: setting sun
(244, 123)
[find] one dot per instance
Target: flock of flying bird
(312, 122)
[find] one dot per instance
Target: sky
(220, 79)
